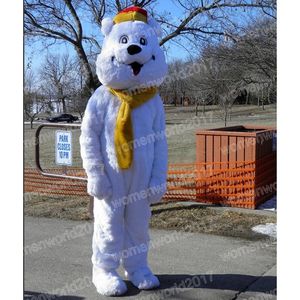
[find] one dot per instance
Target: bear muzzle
(134, 49)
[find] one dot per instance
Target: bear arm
(90, 147)
(160, 163)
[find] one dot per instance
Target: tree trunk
(91, 82)
(262, 100)
(247, 98)
(64, 107)
(225, 118)
(81, 115)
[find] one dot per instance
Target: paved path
(189, 266)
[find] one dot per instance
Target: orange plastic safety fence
(241, 184)
(34, 182)
(232, 184)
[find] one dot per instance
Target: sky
(36, 52)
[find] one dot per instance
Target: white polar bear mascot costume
(124, 149)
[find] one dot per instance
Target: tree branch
(216, 4)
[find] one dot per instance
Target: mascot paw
(108, 283)
(156, 191)
(143, 279)
(99, 187)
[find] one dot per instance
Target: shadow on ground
(35, 295)
(176, 283)
(234, 282)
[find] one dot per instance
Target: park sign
(63, 148)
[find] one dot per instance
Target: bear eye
(143, 41)
(124, 39)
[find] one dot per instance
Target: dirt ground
(205, 219)
(176, 216)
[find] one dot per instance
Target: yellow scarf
(123, 130)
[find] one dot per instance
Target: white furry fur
(143, 279)
(122, 198)
(108, 282)
(113, 63)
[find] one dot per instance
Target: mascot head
(131, 56)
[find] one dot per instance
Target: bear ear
(155, 26)
(106, 26)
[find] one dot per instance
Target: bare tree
(59, 20)
(208, 19)
(226, 101)
(233, 70)
(175, 86)
(79, 101)
(202, 99)
(33, 103)
(63, 21)
(58, 78)
(34, 106)
(251, 60)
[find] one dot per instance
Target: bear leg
(107, 247)
(108, 282)
(143, 279)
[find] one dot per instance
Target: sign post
(63, 148)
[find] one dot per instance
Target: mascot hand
(156, 191)
(99, 187)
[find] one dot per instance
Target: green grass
(181, 127)
(47, 147)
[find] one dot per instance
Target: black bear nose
(134, 49)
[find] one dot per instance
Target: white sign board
(63, 148)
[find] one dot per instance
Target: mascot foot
(143, 279)
(108, 282)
